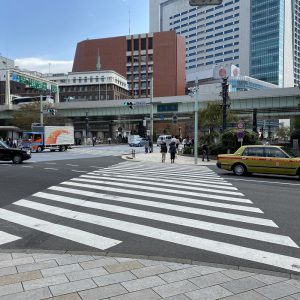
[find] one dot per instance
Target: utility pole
(255, 119)
(151, 109)
(196, 123)
(41, 111)
(86, 127)
(225, 97)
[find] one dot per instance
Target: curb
(286, 274)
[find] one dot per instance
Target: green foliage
(296, 122)
(187, 150)
(283, 133)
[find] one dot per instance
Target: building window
(129, 48)
(143, 44)
(150, 43)
(136, 45)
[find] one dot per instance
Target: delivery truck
(48, 137)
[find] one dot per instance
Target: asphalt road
(277, 197)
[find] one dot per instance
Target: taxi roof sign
(205, 2)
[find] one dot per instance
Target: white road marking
(165, 190)
(167, 176)
(160, 179)
(264, 222)
(214, 190)
(7, 237)
(264, 181)
(27, 166)
(50, 163)
(167, 173)
(51, 169)
(65, 232)
(259, 256)
(78, 171)
(230, 230)
(72, 165)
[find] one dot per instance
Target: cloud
(42, 65)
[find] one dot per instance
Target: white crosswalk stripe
(7, 237)
(189, 206)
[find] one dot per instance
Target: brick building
(140, 57)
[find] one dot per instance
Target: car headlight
(28, 152)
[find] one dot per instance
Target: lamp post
(86, 127)
(151, 109)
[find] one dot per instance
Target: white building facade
(220, 35)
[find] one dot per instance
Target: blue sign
(161, 117)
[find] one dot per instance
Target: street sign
(240, 135)
(161, 117)
(174, 119)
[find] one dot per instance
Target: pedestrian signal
(129, 104)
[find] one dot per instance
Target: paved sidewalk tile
(37, 266)
(235, 274)
(149, 263)
(293, 282)
(9, 279)
(296, 296)
(39, 257)
(175, 266)
(73, 296)
(209, 280)
(73, 259)
(205, 270)
(16, 262)
(250, 295)
(18, 255)
(60, 270)
(48, 281)
(8, 271)
(178, 297)
(149, 271)
(11, 289)
(114, 278)
(143, 283)
(242, 285)
(98, 263)
(268, 279)
(175, 288)
(126, 266)
(103, 292)
(84, 274)
(5, 256)
(209, 293)
(140, 295)
(74, 286)
(179, 275)
(29, 295)
(277, 290)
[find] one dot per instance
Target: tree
(30, 113)
(283, 133)
(211, 118)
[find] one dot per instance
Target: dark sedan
(15, 155)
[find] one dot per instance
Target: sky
(36, 33)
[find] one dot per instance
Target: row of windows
(214, 62)
(92, 79)
(213, 48)
(210, 30)
(136, 45)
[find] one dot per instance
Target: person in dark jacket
(163, 151)
(205, 152)
(172, 150)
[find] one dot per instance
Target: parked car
(137, 143)
(16, 155)
(260, 159)
(164, 139)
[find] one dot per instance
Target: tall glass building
(256, 35)
(271, 43)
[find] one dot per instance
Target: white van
(164, 139)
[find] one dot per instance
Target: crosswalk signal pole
(196, 123)
(41, 111)
(151, 109)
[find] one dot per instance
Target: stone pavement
(66, 276)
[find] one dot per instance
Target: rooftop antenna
(98, 65)
(129, 19)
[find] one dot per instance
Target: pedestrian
(205, 152)
(109, 140)
(15, 143)
(150, 146)
(172, 150)
(146, 146)
(94, 141)
(163, 151)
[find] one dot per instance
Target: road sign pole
(151, 109)
(196, 124)
(41, 111)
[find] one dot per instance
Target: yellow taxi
(260, 159)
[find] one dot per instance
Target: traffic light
(52, 111)
(129, 104)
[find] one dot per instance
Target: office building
(138, 58)
(255, 35)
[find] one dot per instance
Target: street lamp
(86, 127)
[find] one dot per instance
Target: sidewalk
(180, 159)
(69, 276)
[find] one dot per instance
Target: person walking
(146, 146)
(163, 151)
(205, 152)
(150, 146)
(172, 150)
(94, 141)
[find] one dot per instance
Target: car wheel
(239, 170)
(17, 159)
(39, 149)
(61, 148)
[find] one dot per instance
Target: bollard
(133, 153)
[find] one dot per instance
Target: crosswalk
(97, 151)
(185, 206)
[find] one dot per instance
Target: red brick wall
(112, 55)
